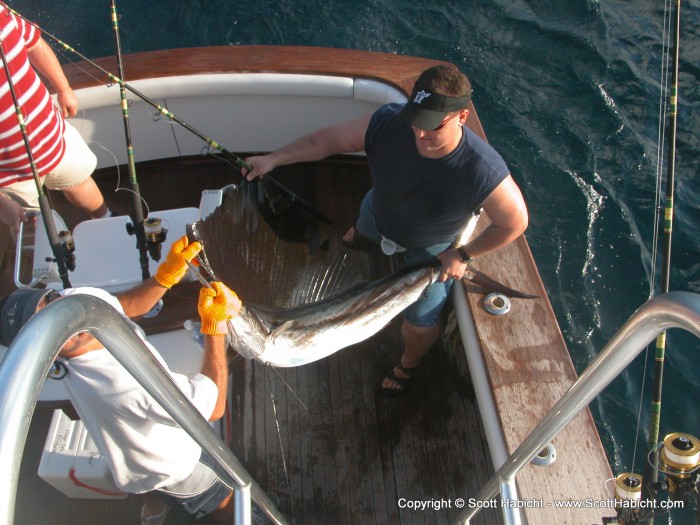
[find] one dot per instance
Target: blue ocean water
(568, 92)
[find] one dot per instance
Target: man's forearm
(215, 367)
(346, 137)
(44, 60)
(492, 237)
(310, 147)
(139, 300)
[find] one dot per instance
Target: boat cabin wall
(253, 112)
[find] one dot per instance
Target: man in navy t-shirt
(430, 174)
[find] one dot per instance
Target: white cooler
(72, 464)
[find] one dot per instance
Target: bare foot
(389, 384)
(350, 234)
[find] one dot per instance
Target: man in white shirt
(148, 453)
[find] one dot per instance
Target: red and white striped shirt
(43, 122)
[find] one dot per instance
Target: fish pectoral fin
(287, 325)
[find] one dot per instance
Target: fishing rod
(62, 251)
(165, 112)
(137, 226)
(651, 466)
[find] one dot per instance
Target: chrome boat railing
(658, 315)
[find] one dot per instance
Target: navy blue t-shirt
(417, 201)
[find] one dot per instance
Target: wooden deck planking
(529, 369)
(341, 508)
(356, 451)
(325, 489)
(350, 491)
(371, 457)
(381, 486)
(450, 411)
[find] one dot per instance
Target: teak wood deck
(322, 437)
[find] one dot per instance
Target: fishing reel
(679, 460)
(628, 495)
(65, 239)
(154, 233)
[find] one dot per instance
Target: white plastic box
(72, 464)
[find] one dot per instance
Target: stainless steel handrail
(45, 276)
(484, 398)
(666, 311)
(24, 368)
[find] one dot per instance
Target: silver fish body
(301, 335)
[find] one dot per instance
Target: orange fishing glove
(216, 307)
(174, 267)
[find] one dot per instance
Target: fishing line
(207, 284)
(240, 163)
(78, 65)
(157, 118)
(660, 147)
(639, 410)
(289, 387)
(670, 61)
(61, 51)
(193, 235)
(118, 187)
(277, 425)
(137, 217)
(660, 143)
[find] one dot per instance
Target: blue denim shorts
(198, 495)
(426, 310)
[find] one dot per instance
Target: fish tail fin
(479, 278)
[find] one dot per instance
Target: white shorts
(76, 166)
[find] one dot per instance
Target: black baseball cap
(427, 109)
(17, 308)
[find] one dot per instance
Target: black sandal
(403, 382)
(358, 240)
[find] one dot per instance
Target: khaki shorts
(76, 166)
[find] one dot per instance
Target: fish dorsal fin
(321, 281)
(271, 255)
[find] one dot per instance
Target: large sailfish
(297, 306)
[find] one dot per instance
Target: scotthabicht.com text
(588, 503)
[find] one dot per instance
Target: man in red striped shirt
(62, 158)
